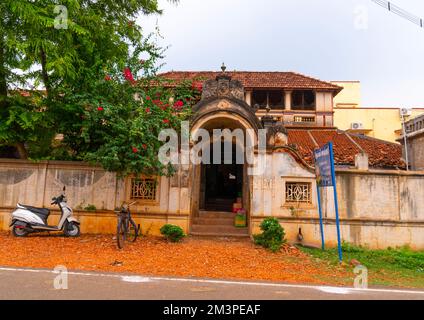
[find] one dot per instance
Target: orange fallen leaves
(206, 258)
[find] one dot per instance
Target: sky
(326, 39)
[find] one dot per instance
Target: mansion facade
(379, 201)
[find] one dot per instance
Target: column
(288, 99)
(249, 98)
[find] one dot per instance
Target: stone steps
(214, 221)
(217, 224)
(218, 235)
(216, 215)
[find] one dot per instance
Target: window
(260, 98)
(298, 192)
(144, 189)
(303, 100)
(272, 98)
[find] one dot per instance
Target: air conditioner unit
(357, 126)
(405, 112)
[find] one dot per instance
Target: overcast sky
(327, 39)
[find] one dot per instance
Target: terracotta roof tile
(285, 80)
(381, 154)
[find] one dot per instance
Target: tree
(99, 35)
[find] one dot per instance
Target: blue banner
(326, 177)
(323, 166)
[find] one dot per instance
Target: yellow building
(380, 123)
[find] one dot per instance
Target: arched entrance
(218, 187)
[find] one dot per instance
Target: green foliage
(172, 233)
(90, 207)
(390, 266)
(272, 236)
(25, 121)
(101, 39)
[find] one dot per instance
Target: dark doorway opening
(222, 183)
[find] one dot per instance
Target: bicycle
(127, 230)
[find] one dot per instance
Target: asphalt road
(29, 284)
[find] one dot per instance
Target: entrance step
(217, 224)
(214, 221)
(218, 235)
(216, 215)
(219, 230)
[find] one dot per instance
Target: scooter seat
(39, 211)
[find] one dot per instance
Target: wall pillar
(249, 98)
(288, 100)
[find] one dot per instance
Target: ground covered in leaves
(221, 258)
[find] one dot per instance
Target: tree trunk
(3, 83)
(44, 70)
(23, 153)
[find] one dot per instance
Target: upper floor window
(272, 98)
(303, 100)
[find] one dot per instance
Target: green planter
(240, 221)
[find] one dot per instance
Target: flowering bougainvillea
(123, 137)
(128, 75)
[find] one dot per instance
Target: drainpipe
(405, 140)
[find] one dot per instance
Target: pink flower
(165, 120)
(134, 150)
(128, 75)
(148, 110)
(197, 86)
(179, 103)
(100, 108)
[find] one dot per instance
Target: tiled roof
(381, 154)
(269, 80)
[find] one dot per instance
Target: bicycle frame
(124, 220)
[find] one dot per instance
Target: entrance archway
(218, 186)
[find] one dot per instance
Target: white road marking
(335, 290)
(224, 282)
(135, 279)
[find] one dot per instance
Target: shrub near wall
(272, 236)
(172, 233)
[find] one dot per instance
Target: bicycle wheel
(132, 231)
(120, 234)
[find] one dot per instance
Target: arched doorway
(218, 187)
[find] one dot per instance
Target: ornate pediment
(223, 87)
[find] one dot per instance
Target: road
(29, 284)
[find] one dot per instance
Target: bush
(272, 236)
(172, 233)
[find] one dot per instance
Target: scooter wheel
(19, 232)
(72, 230)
